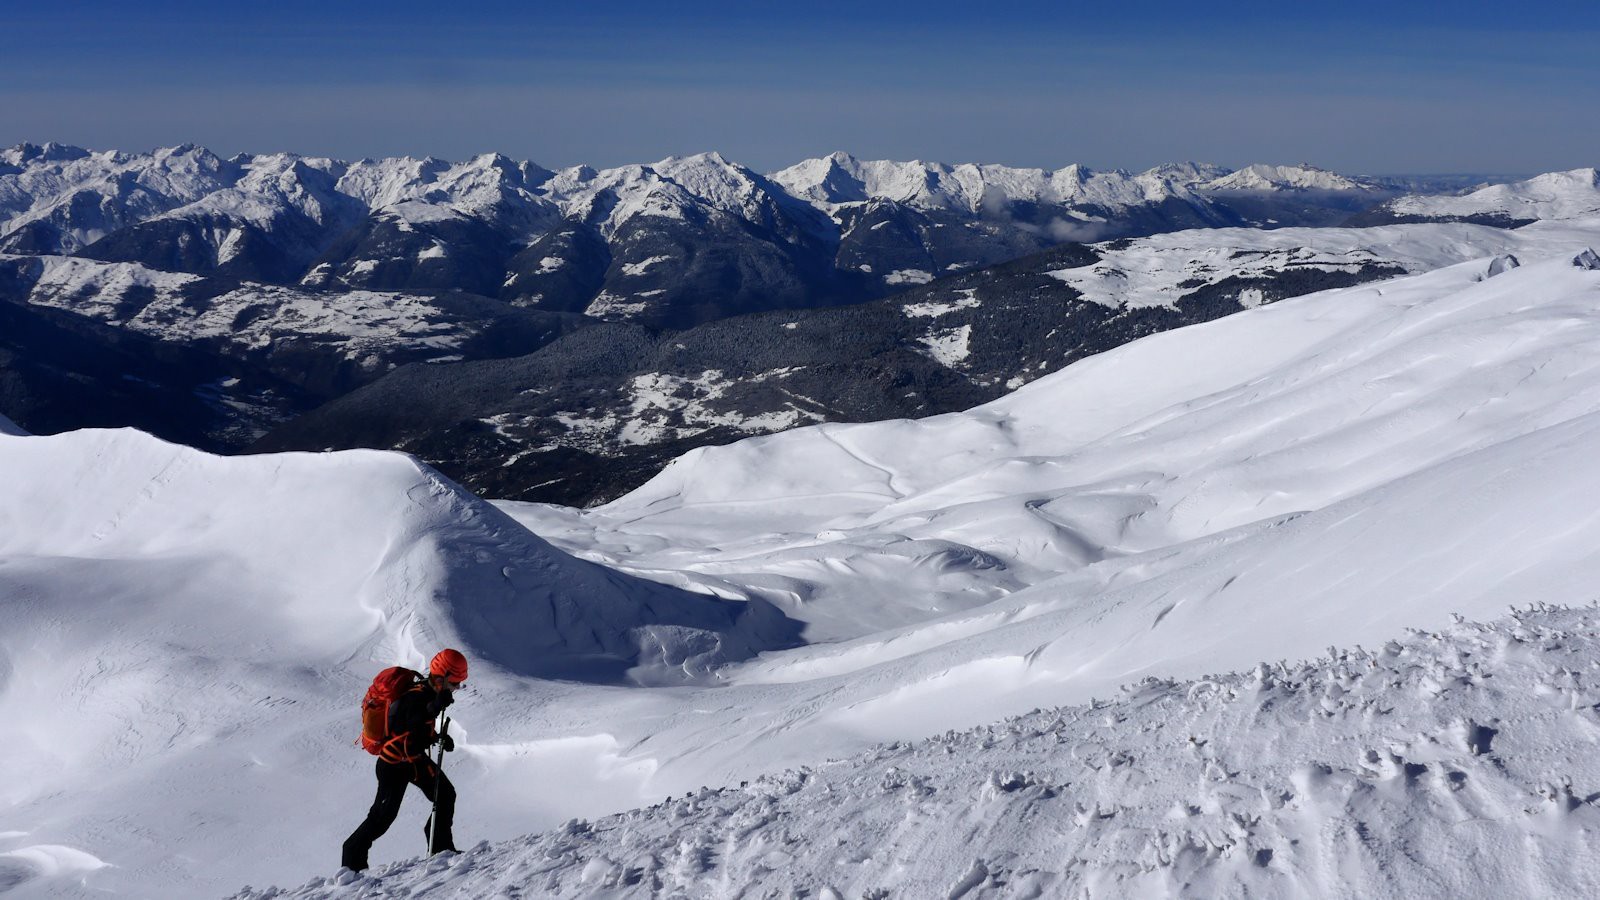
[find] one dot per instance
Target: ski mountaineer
(403, 759)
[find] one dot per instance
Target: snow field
(1173, 438)
(1166, 535)
(1326, 470)
(1160, 269)
(1457, 762)
(1553, 195)
(188, 636)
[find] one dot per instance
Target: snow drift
(1175, 438)
(356, 544)
(1328, 469)
(187, 635)
(1451, 763)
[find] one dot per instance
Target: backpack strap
(394, 749)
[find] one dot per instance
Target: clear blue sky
(1356, 86)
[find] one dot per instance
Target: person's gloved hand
(445, 699)
(447, 742)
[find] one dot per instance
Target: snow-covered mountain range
(237, 294)
(218, 302)
(1328, 469)
(1554, 195)
(678, 241)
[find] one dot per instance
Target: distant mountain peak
(49, 151)
(1571, 194)
(1265, 177)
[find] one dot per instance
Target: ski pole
(438, 782)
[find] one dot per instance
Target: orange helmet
(450, 665)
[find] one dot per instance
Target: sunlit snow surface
(187, 635)
(1455, 763)
(1161, 269)
(1553, 195)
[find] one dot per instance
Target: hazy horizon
(1364, 88)
(226, 153)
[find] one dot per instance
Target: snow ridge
(1261, 177)
(1445, 763)
(75, 196)
(1554, 195)
(428, 554)
(840, 178)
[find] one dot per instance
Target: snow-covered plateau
(794, 636)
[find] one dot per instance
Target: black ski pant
(392, 781)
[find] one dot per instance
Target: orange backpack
(386, 688)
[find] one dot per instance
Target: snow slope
(841, 178)
(1451, 763)
(1160, 269)
(1554, 195)
(186, 636)
(364, 326)
(73, 197)
(1261, 177)
(1192, 502)
(1325, 470)
(1178, 437)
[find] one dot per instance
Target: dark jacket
(411, 723)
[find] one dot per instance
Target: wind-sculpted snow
(1444, 763)
(1173, 438)
(187, 635)
(375, 538)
